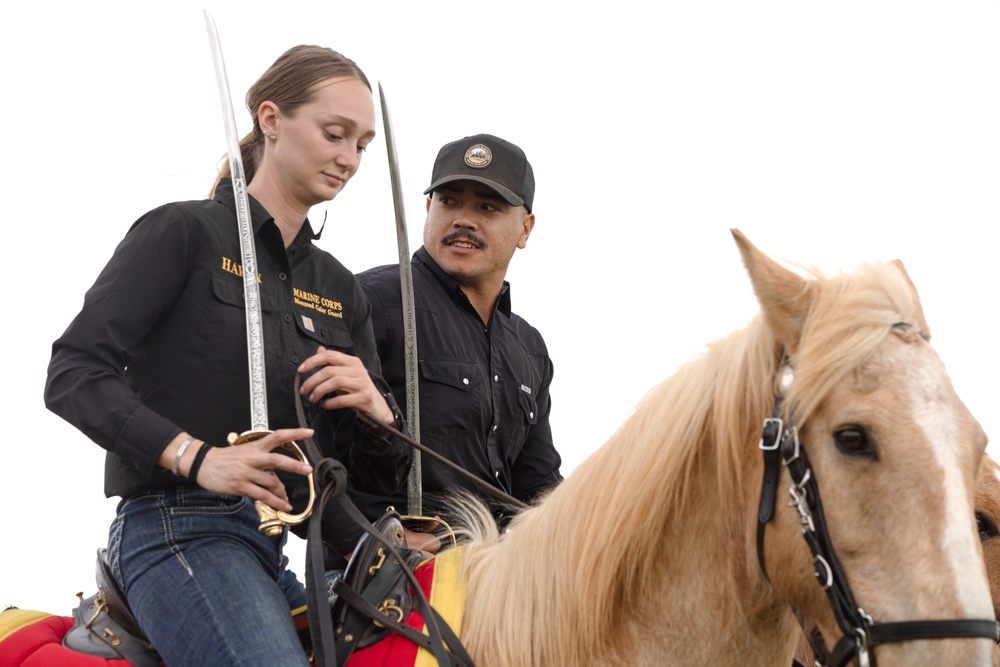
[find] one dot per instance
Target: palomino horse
(647, 555)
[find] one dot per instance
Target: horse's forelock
(850, 316)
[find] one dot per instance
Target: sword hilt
(272, 521)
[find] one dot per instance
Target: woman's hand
(342, 381)
(242, 470)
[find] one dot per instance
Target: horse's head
(894, 455)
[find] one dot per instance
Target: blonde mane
(611, 522)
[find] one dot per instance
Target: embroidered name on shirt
(320, 304)
(232, 267)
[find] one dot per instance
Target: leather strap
(480, 484)
(770, 441)
(884, 633)
(454, 655)
(330, 477)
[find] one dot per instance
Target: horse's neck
(683, 590)
(714, 594)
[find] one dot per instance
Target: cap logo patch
(478, 156)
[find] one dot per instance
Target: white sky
(829, 133)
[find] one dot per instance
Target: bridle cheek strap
(780, 447)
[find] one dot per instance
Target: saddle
(378, 579)
(103, 625)
(378, 591)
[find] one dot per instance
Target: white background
(830, 133)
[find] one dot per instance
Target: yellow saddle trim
(13, 620)
(447, 597)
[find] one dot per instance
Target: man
(484, 372)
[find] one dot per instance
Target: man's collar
(421, 256)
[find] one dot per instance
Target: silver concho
(478, 156)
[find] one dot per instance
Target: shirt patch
(307, 322)
(526, 389)
(320, 304)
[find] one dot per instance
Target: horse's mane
(615, 510)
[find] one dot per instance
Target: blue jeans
(205, 585)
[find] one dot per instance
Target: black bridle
(781, 448)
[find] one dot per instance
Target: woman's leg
(202, 580)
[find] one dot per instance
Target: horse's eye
(987, 528)
(854, 440)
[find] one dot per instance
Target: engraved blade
(251, 291)
(414, 485)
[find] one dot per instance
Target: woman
(154, 369)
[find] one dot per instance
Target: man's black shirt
(484, 389)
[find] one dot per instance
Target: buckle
(769, 423)
(794, 432)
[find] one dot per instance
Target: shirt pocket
(227, 321)
(331, 334)
(529, 408)
(525, 415)
(450, 398)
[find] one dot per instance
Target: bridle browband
(781, 447)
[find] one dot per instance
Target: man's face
(472, 233)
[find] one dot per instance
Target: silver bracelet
(180, 453)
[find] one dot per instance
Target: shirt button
(295, 359)
(282, 276)
(496, 378)
(465, 381)
(288, 318)
(531, 415)
(494, 427)
(497, 474)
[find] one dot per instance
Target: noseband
(862, 633)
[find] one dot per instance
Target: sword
(414, 486)
(272, 521)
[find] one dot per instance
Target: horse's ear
(784, 296)
(925, 331)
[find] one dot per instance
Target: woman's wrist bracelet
(177, 457)
(199, 457)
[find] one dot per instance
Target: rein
(861, 633)
(330, 480)
(480, 484)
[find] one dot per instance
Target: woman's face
(318, 146)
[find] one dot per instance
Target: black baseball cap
(489, 160)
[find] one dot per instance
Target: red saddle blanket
(33, 638)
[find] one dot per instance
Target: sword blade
(251, 292)
(414, 485)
